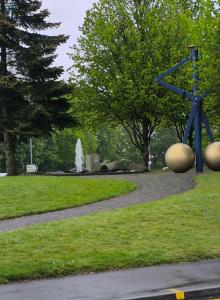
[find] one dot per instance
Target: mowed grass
(26, 195)
(185, 227)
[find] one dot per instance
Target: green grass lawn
(26, 195)
(185, 227)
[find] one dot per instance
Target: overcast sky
(71, 13)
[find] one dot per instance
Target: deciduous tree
(123, 46)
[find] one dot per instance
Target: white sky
(71, 13)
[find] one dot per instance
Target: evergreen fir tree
(31, 95)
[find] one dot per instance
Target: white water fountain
(79, 158)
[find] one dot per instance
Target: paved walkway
(150, 186)
(126, 284)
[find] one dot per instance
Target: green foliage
(114, 144)
(123, 46)
(198, 22)
(57, 151)
(88, 139)
(216, 55)
(37, 194)
(180, 228)
(32, 97)
(28, 83)
(212, 73)
(162, 139)
(116, 67)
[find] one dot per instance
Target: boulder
(73, 170)
(55, 173)
(165, 169)
(135, 167)
(104, 168)
(93, 162)
(115, 166)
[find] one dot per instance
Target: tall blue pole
(198, 115)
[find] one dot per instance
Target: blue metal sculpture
(197, 116)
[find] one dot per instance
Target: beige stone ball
(212, 156)
(180, 158)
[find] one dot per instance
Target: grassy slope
(25, 195)
(184, 227)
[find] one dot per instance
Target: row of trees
(124, 45)
(57, 151)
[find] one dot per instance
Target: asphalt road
(125, 284)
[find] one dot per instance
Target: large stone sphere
(212, 156)
(180, 158)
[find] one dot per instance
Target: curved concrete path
(150, 186)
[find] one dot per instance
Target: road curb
(182, 294)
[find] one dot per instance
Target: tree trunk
(146, 142)
(146, 156)
(9, 142)
(140, 133)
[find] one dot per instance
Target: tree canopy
(31, 95)
(123, 46)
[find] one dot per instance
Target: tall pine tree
(31, 95)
